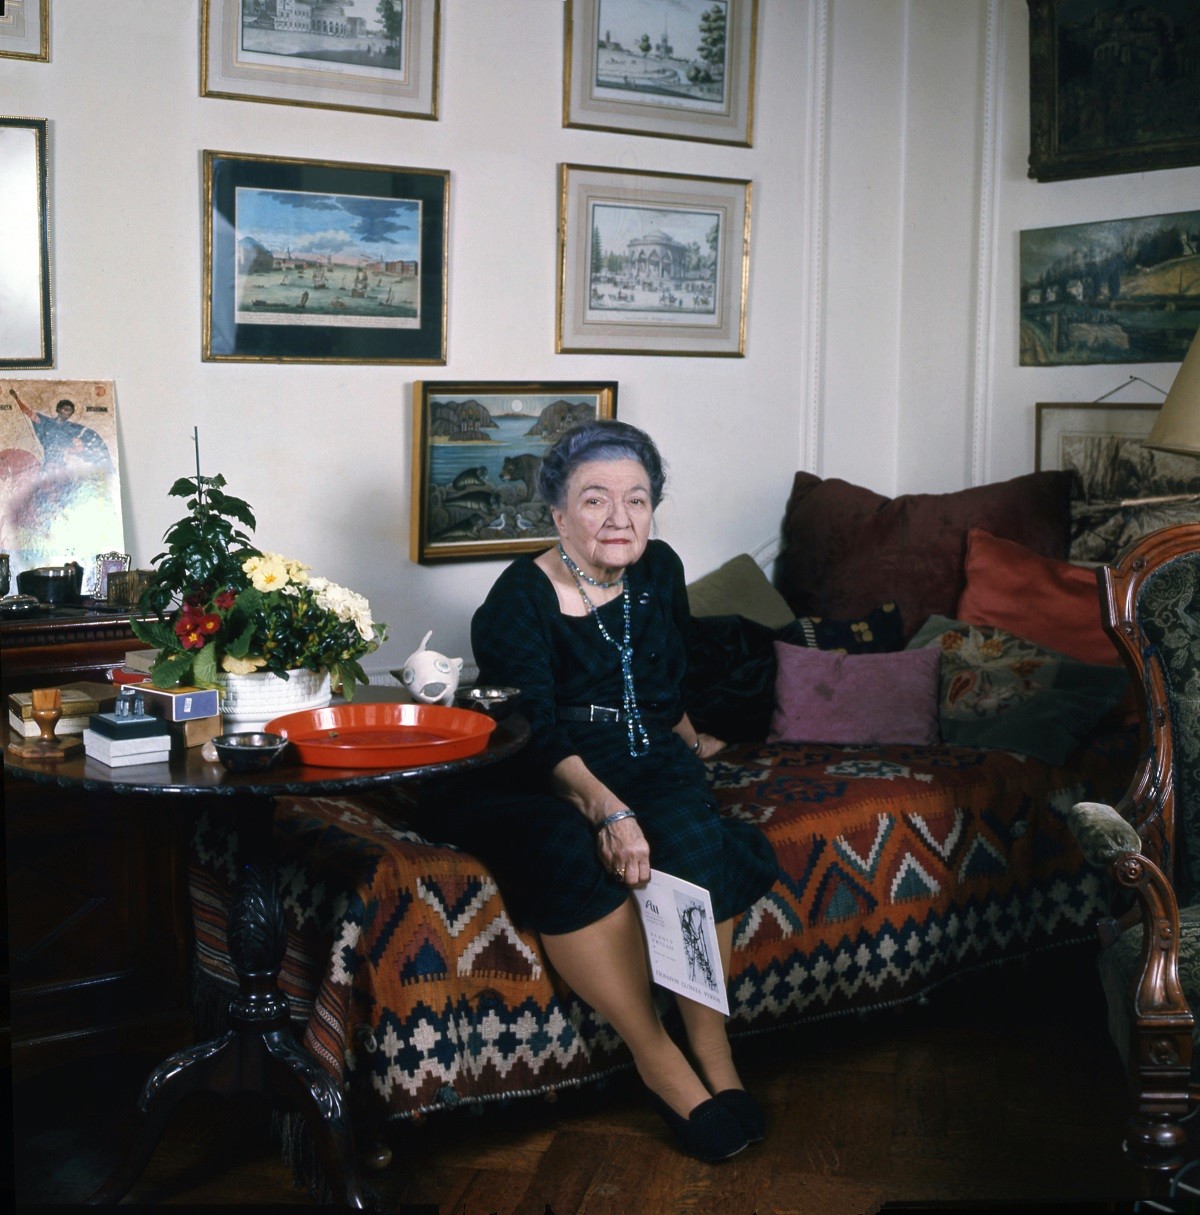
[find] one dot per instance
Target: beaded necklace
(639, 740)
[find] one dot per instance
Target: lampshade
(1177, 427)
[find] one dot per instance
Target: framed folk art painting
(477, 447)
(323, 262)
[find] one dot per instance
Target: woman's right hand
(625, 852)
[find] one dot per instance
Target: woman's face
(605, 522)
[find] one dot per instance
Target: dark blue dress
(540, 848)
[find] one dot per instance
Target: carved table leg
(257, 1053)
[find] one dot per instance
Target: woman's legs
(604, 963)
(705, 1027)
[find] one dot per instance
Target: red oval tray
(379, 735)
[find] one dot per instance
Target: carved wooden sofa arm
(1143, 970)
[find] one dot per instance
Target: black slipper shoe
(746, 1110)
(710, 1132)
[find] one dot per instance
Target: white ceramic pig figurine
(431, 677)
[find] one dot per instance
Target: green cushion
(1002, 691)
(740, 588)
(1118, 969)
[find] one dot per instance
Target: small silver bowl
(494, 701)
(250, 752)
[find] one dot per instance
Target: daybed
(902, 863)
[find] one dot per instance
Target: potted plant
(217, 608)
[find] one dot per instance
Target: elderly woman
(592, 632)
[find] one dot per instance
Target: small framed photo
(314, 261)
(26, 331)
(1111, 90)
(25, 30)
(652, 263)
(477, 447)
(106, 564)
(372, 56)
(677, 69)
(1121, 490)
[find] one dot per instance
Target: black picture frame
(1074, 73)
(27, 331)
(290, 318)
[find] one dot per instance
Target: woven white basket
(248, 702)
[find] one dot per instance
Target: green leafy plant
(216, 603)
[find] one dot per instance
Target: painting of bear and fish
(476, 451)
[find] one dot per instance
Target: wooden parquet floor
(1003, 1092)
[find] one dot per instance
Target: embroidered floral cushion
(999, 690)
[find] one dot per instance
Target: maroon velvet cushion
(847, 549)
(857, 700)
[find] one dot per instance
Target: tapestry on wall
(1120, 291)
(60, 486)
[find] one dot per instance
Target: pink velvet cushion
(855, 699)
(848, 549)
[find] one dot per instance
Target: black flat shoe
(746, 1110)
(710, 1132)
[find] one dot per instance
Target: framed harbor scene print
(312, 261)
(374, 56)
(25, 30)
(1112, 87)
(651, 263)
(678, 69)
(26, 329)
(1121, 490)
(477, 447)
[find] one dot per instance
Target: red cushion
(1052, 603)
(848, 549)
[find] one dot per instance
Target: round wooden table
(258, 1051)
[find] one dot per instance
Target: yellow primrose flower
(270, 575)
(241, 666)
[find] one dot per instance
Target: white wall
(889, 171)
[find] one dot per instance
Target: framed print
(651, 263)
(477, 447)
(1121, 490)
(373, 56)
(1118, 291)
(25, 30)
(1112, 87)
(26, 329)
(678, 69)
(311, 261)
(105, 564)
(60, 495)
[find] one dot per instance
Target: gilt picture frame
(1121, 490)
(26, 303)
(1078, 65)
(652, 263)
(476, 449)
(675, 69)
(318, 261)
(25, 30)
(368, 56)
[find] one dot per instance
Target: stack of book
(124, 740)
(79, 701)
(193, 715)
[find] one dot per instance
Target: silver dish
(249, 752)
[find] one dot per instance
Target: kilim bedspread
(901, 866)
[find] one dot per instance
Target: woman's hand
(625, 852)
(709, 746)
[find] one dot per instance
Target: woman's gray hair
(601, 439)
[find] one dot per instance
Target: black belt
(592, 713)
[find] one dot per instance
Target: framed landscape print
(1112, 87)
(652, 263)
(1121, 490)
(25, 29)
(374, 56)
(1118, 291)
(679, 69)
(26, 328)
(477, 447)
(314, 261)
